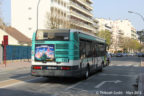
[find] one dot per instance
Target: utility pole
(141, 33)
(38, 12)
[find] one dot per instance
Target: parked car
(131, 54)
(124, 54)
(140, 54)
(113, 54)
(119, 55)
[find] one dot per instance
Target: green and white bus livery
(66, 53)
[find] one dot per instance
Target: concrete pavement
(115, 80)
(15, 65)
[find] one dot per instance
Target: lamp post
(38, 12)
(142, 32)
(142, 19)
(137, 14)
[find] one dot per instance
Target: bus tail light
(65, 68)
(37, 67)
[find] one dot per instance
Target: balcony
(90, 1)
(133, 35)
(82, 25)
(81, 9)
(85, 4)
(58, 6)
(120, 33)
(79, 16)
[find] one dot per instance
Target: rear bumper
(56, 73)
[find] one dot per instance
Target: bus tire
(87, 73)
(101, 69)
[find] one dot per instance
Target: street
(117, 79)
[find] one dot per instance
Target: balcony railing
(85, 4)
(84, 18)
(75, 5)
(86, 26)
(121, 33)
(90, 1)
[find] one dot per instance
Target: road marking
(102, 83)
(70, 87)
(12, 82)
(119, 75)
(8, 72)
(8, 82)
(127, 65)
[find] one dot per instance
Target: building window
(29, 18)
(29, 8)
(29, 28)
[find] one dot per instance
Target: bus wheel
(86, 73)
(101, 67)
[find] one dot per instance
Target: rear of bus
(55, 53)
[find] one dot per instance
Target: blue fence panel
(18, 52)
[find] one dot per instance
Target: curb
(140, 82)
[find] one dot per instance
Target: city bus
(66, 53)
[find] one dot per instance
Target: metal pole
(137, 14)
(38, 12)
(5, 55)
(143, 21)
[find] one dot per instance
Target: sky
(6, 10)
(108, 9)
(118, 9)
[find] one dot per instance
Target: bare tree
(52, 21)
(56, 21)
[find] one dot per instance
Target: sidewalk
(15, 65)
(141, 78)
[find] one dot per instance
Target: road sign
(5, 43)
(5, 38)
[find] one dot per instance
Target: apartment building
(119, 29)
(96, 26)
(81, 16)
(134, 34)
(104, 24)
(51, 13)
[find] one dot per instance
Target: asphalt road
(118, 79)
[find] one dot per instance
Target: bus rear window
(52, 35)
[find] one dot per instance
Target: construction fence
(14, 52)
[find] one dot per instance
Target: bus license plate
(52, 68)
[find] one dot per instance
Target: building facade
(120, 29)
(24, 14)
(19, 46)
(51, 14)
(81, 16)
(104, 24)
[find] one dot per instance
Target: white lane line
(8, 72)
(20, 82)
(72, 86)
(103, 82)
(16, 78)
(123, 65)
(119, 75)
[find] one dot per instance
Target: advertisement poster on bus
(44, 52)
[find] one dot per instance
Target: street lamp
(137, 14)
(142, 19)
(38, 12)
